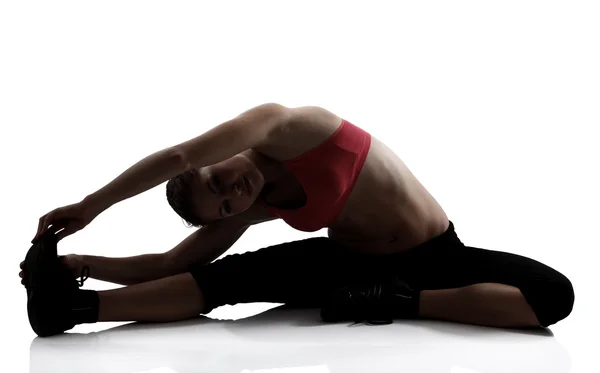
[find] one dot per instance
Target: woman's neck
(271, 169)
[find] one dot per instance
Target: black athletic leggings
(302, 273)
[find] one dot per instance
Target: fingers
(22, 272)
(64, 233)
(43, 224)
(48, 223)
(40, 225)
(55, 227)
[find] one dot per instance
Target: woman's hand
(73, 262)
(70, 219)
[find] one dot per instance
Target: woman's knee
(552, 298)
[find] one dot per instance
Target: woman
(391, 251)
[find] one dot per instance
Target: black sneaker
(378, 302)
(51, 288)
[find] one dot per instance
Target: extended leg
(293, 273)
(297, 273)
(168, 299)
(59, 307)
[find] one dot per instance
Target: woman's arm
(203, 246)
(250, 129)
(124, 271)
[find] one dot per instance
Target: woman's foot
(54, 301)
(379, 301)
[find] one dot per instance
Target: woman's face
(226, 188)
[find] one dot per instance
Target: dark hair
(179, 196)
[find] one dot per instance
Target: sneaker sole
(34, 281)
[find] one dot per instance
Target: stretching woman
(391, 251)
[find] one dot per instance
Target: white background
(493, 105)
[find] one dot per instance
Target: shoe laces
(368, 303)
(85, 274)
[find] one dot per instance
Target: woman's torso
(388, 210)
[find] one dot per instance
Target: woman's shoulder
(305, 128)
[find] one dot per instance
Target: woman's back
(387, 210)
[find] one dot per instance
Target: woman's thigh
(466, 265)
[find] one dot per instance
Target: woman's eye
(217, 182)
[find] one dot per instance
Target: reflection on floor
(283, 340)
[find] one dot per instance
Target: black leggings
(302, 273)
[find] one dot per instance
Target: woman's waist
(389, 237)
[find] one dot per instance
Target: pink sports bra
(327, 173)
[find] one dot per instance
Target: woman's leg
(495, 288)
(486, 287)
(168, 299)
(489, 304)
(297, 273)
(59, 305)
(444, 279)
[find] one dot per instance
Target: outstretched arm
(250, 129)
(201, 247)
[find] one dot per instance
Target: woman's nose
(234, 190)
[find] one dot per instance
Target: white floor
(281, 340)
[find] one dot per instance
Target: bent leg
(487, 304)
(489, 281)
